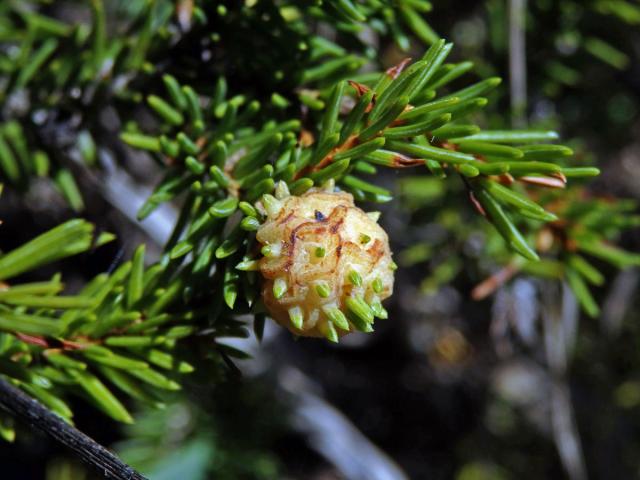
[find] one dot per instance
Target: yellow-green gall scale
(327, 264)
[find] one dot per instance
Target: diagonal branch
(22, 406)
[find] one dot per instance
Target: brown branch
(492, 283)
(22, 406)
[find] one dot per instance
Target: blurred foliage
(576, 33)
(586, 48)
(575, 51)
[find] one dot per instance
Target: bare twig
(489, 285)
(22, 406)
(518, 61)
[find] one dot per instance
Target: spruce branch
(397, 120)
(231, 153)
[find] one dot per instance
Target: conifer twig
(22, 406)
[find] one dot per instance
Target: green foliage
(117, 331)
(56, 69)
(586, 44)
(322, 114)
(388, 134)
(574, 29)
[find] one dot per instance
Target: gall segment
(327, 264)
